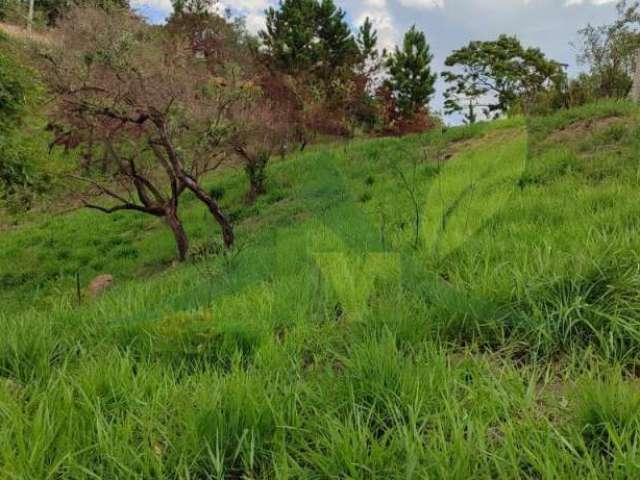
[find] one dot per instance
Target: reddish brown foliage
(392, 120)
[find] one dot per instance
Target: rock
(100, 284)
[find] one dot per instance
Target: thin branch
(128, 206)
(101, 187)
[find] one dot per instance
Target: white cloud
(592, 2)
(247, 7)
(468, 19)
(375, 3)
(255, 21)
(422, 3)
(252, 10)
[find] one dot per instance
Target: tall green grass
(504, 346)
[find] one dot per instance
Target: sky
(449, 24)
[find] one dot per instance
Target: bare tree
(148, 98)
(261, 130)
(131, 178)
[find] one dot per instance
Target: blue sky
(449, 24)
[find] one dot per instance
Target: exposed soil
(582, 129)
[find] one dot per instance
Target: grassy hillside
(500, 341)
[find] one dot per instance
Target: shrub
(20, 179)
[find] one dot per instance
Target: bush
(20, 178)
(10, 10)
(14, 86)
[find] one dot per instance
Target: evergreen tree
(193, 7)
(370, 58)
(290, 34)
(303, 35)
(412, 81)
(337, 47)
(367, 39)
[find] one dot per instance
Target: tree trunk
(214, 208)
(182, 242)
(635, 89)
(87, 157)
(192, 184)
(256, 188)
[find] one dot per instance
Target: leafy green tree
(610, 51)
(411, 79)
(497, 76)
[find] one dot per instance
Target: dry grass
(583, 128)
(23, 34)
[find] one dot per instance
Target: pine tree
(303, 35)
(337, 47)
(411, 79)
(370, 58)
(290, 35)
(367, 38)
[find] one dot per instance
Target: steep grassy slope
(504, 345)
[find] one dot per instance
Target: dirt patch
(583, 128)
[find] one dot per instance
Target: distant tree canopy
(193, 7)
(410, 77)
(329, 70)
(211, 34)
(309, 35)
(610, 52)
(497, 76)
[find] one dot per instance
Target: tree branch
(157, 211)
